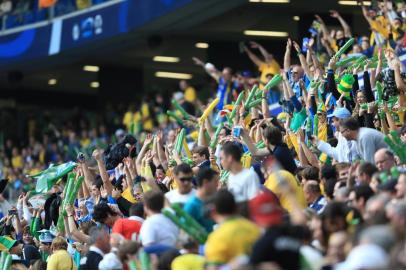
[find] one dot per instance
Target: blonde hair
(59, 243)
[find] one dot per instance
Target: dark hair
(363, 191)
(224, 202)
(328, 171)
(202, 150)
(351, 123)
(273, 135)
(137, 209)
(228, 131)
(165, 259)
(368, 168)
(98, 182)
(183, 167)
(233, 150)
(154, 200)
(205, 174)
(102, 211)
(311, 173)
(329, 187)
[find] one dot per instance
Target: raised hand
(148, 139)
(334, 14)
(197, 61)
(296, 46)
(97, 154)
(254, 45)
(288, 44)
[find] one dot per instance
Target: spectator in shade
(384, 159)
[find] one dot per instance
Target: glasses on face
(376, 119)
(186, 179)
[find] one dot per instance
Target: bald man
(384, 159)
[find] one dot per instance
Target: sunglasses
(185, 179)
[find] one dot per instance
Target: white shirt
(345, 151)
(174, 196)
(244, 185)
(158, 229)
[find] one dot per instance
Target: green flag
(47, 178)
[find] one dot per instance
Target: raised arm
(212, 71)
(255, 59)
(143, 151)
(251, 146)
(286, 59)
(302, 60)
(87, 174)
(324, 29)
(98, 156)
(344, 24)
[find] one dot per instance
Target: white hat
(366, 256)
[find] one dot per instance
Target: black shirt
(280, 245)
(92, 261)
(282, 153)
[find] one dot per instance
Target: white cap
(367, 256)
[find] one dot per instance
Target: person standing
(183, 175)
(157, 229)
(99, 246)
(242, 183)
(207, 182)
(368, 140)
(235, 235)
(60, 258)
(345, 151)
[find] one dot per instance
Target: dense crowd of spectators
(301, 167)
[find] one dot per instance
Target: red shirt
(128, 228)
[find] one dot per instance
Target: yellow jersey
(190, 94)
(232, 238)
(272, 183)
(267, 68)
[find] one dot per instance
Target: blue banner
(69, 32)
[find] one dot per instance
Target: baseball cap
(341, 113)
(46, 236)
(265, 209)
(366, 256)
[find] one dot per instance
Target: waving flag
(47, 178)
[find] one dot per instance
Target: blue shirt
(225, 92)
(319, 204)
(195, 207)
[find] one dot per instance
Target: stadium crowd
(301, 167)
